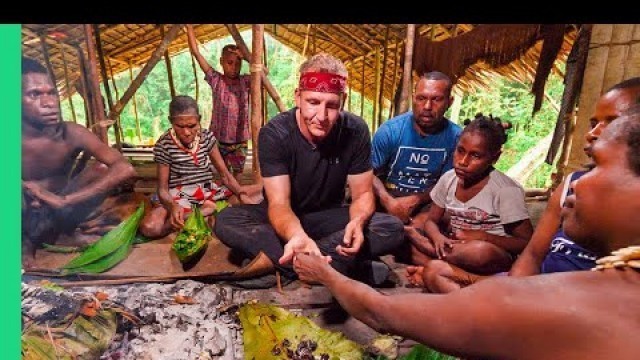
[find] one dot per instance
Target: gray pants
(247, 228)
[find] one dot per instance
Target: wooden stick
(66, 81)
(47, 60)
(135, 105)
(364, 65)
(279, 282)
(407, 70)
(167, 61)
(246, 54)
(394, 83)
(256, 99)
(376, 104)
(142, 75)
(306, 41)
(84, 90)
(195, 75)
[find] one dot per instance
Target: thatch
(355, 44)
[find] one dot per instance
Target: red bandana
(322, 82)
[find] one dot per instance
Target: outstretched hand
(352, 241)
(299, 245)
(311, 268)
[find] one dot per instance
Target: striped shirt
(185, 169)
(230, 100)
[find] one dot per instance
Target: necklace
(193, 147)
(621, 258)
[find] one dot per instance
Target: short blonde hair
(323, 62)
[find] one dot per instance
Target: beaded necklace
(193, 147)
(621, 258)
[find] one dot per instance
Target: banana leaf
(420, 352)
(110, 250)
(192, 240)
(270, 331)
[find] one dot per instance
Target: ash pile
(184, 320)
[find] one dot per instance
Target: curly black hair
(492, 128)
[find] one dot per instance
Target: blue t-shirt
(412, 162)
(564, 254)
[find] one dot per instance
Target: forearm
(526, 264)
(362, 208)
(118, 173)
(358, 299)
(381, 192)
(285, 222)
(229, 181)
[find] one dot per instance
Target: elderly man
(307, 157)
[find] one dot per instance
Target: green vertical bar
(10, 203)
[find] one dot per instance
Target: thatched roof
(133, 44)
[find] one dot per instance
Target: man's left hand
(38, 192)
(311, 268)
(353, 239)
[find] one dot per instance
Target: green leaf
(267, 326)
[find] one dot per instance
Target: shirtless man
(53, 201)
(567, 315)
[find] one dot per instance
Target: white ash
(175, 331)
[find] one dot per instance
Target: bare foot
(414, 276)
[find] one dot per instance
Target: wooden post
(66, 81)
(364, 66)
(246, 54)
(384, 74)
(98, 105)
(84, 91)
(167, 61)
(392, 106)
(256, 99)
(350, 87)
(153, 60)
(573, 80)
(306, 41)
(407, 69)
(376, 104)
(105, 82)
(135, 105)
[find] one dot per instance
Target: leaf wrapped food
(193, 238)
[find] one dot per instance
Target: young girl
(489, 223)
(184, 155)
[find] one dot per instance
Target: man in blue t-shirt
(412, 150)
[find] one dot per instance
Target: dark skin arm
(529, 262)
(176, 214)
(401, 207)
(520, 232)
(119, 170)
(193, 47)
(503, 318)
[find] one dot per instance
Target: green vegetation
(511, 101)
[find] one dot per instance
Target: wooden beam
(246, 54)
(365, 46)
(105, 83)
(47, 60)
(335, 41)
(142, 75)
(135, 106)
(67, 83)
(377, 78)
(384, 71)
(364, 67)
(256, 99)
(84, 92)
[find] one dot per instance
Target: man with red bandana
(307, 157)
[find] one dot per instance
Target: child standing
(489, 222)
(230, 100)
(184, 155)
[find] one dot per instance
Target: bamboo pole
(349, 81)
(392, 106)
(246, 54)
(407, 69)
(195, 76)
(256, 99)
(135, 106)
(364, 66)
(47, 59)
(113, 78)
(263, 91)
(376, 104)
(167, 61)
(84, 92)
(306, 41)
(67, 83)
(384, 74)
(97, 103)
(142, 75)
(105, 83)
